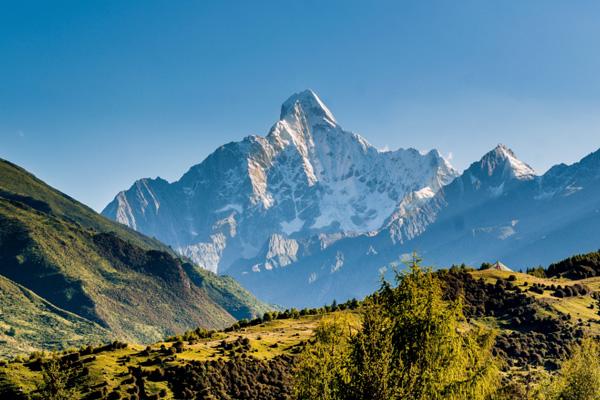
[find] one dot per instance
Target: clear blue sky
(95, 94)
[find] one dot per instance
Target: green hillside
(130, 285)
(29, 323)
(533, 336)
(262, 356)
(21, 186)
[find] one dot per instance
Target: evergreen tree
(435, 354)
(56, 383)
(412, 345)
(321, 372)
(370, 363)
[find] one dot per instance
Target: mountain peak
(503, 151)
(502, 148)
(310, 104)
(503, 159)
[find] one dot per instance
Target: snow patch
(289, 227)
(339, 262)
(497, 191)
(425, 193)
(571, 190)
(229, 207)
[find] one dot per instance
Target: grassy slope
(15, 179)
(52, 245)
(33, 323)
(267, 340)
(61, 262)
(577, 306)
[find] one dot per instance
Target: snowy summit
(307, 179)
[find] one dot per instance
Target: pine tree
(321, 371)
(370, 363)
(412, 345)
(435, 354)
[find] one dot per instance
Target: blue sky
(94, 95)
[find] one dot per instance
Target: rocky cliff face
(304, 185)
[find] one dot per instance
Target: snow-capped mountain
(520, 218)
(275, 199)
(310, 212)
(498, 209)
(498, 171)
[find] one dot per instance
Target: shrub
(538, 272)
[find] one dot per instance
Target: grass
(89, 283)
(110, 368)
(577, 306)
(16, 180)
(34, 323)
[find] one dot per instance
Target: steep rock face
(307, 179)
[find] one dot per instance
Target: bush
(536, 289)
(56, 381)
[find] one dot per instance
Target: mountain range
(306, 180)
(69, 276)
(311, 213)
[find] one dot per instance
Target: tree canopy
(412, 344)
